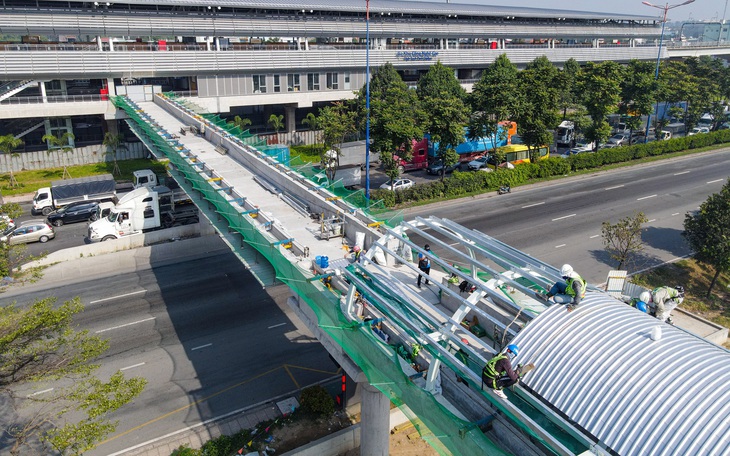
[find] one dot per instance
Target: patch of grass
(696, 278)
(30, 181)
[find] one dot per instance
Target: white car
(400, 184)
(619, 140)
(478, 163)
(698, 130)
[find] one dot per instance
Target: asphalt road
(205, 335)
(560, 221)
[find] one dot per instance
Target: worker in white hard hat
(569, 291)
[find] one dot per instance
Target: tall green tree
(707, 232)
(495, 97)
(443, 98)
(240, 122)
(277, 123)
(539, 116)
(568, 91)
(336, 122)
(8, 143)
(638, 93)
(623, 239)
(40, 345)
(600, 88)
(61, 144)
(396, 118)
(113, 143)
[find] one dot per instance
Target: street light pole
(666, 8)
(367, 101)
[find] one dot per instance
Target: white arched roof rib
(397, 7)
(599, 368)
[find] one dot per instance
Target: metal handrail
(55, 99)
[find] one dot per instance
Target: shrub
(317, 401)
(185, 451)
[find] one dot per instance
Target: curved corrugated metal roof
(400, 6)
(599, 366)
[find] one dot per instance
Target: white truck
(566, 133)
(63, 192)
(147, 178)
(142, 210)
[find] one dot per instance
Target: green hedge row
(464, 183)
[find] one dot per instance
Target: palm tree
(113, 143)
(60, 144)
(241, 123)
(8, 144)
(277, 123)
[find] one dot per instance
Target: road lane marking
(202, 346)
(132, 366)
(652, 220)
(679, 174)
(533, 205)
(126, 324)
(40, 392)
(716, 180)
(276, 326)
(564, 217)
(118, 296)
(676, 213)
(594, 236)
(558, 246)
(645, 197)
(614, 187)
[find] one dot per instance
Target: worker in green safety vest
(498, 372)
(569, 291)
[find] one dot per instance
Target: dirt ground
(404, 442)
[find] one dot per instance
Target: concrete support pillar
(374, 423)
(207, 44)
(110, 85)
(111, 45)
(112, 127)
(290, 119)
(42, 86)
(98, 43)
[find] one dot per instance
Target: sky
(699, 10)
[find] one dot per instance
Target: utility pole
(666, 8)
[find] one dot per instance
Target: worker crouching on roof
(570, 291)
(498, 372)
(665, 299)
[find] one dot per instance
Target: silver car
(30, 231)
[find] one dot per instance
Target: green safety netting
(446, 432)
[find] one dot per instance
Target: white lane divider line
(679, 174)
(40, 392)
(276, 326)
(645, 197)
(124, 325)
(132, 366)
(614, 187)
(652, 220)
(716, 180)
(533, 205)
(202, 346)
(558, 246)
(564, 217)
(676, 213)
(118, 296)
(594, 236)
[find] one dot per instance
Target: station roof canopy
(400, 6)
(601, 369)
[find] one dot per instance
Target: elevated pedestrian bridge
(401, 342)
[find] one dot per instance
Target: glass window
(347, 79)
(333, 82)
(259, 83)
(313, 81)
(277, 83)
(293, 83)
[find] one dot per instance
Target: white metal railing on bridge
(54, 99)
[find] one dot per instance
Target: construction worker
(356, 252)
(665, 299)
(498, 372)
(570, 291)
(424, 264)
